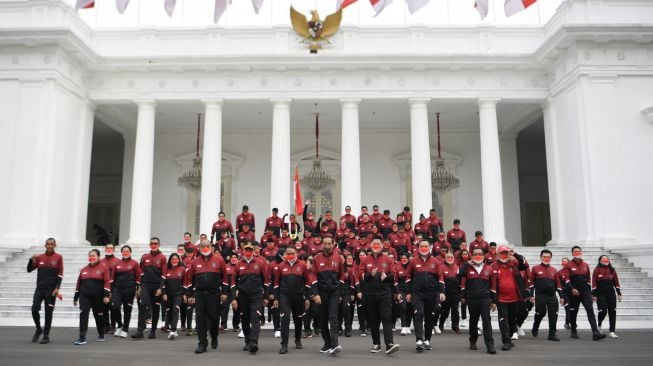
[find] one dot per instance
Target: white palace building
(546, 118)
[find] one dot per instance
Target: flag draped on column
(482, 6)
(341, 4)
(415, 5)
(121, 5)
(220, 7)
(299, 202)
(84, 4)
(379, 5)
(257, 5)
(515, 6)
(169, 5)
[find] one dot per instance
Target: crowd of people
(319, 274)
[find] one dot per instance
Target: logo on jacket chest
(54, 262)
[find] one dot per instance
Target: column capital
(280, 101)
(350, 101)
(487, 102)
(212, 102)
(90, 105)
(418, 100)
(145, 103)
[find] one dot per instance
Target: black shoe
(37, 335)
(283, 350)
(472, 346)
(137, 335)
(253, 348)
(45, 339)
(214, 343)
(505, 347)
(298, 344)
(534, 332)
(574, 334)
(347, 332)
(552, 337)
(201, 348)
(247, 346)
(325, 349)
(152, 335)
(598, 336)
(317, 331)
(491, 351)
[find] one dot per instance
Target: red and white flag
(84, 4)
(121, 5)
(257, 5)
(482, 6)
(169, 6)
(415, 5)
(220, 8)
(299, 203)
(379, 5)
(515, 6)
(341, 4)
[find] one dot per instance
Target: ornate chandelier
(317, 179)
(192, 178)
(441, 179)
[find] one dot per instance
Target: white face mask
(206, 254)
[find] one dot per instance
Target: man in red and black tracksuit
(479, 242)
(328, 272)
(577, 277)
(509, 288)
(188, 244)
(154, 266)
(252, 283)
(111, 317)
(274, 223)
(245, 234)
(456, 235)
(206, 286)
(425, 285)
(310, 225)
(378, 282)
(478, 291)
(221, 226)
(349, 219)
(48, 282)
(435, 224)
(449, 271)
(385, 224)
(422, 227)
(400, 241)
(245, 217)
(545, 282)
(292, 287)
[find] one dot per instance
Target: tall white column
(553, 174)
(351, 157)
(493, 216)
(211, 164)
(83, 172)
(141, 212)
(280, 159)
(420, 154)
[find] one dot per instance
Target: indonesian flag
(482, 6)
(515, 6)
(257, 5)
(379, 5)
(220, 8)
(121, 5)
(299, 203)
(84, 4)
(341, 4)
(415, 5)
(169, 5)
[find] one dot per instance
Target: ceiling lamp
(441, 179)
(192, 178)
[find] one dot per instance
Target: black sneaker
(491, 351)
(505, 347)
(473, 346)
(553, 337)
(598, 336)
(247, 346)
(534, 332)
(419, 347)
(138, 335)
(214, 343)
(152, 335)
(283, 350)
(201, 348)
(574, 334)
(45, 340)
(317, 331)
(392, 348)
(347, 332)
(325, 349)
(37, 335)
(253, 348)
(298, 344)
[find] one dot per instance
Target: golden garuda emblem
(315, 31)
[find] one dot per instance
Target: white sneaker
(277, 334)
(172, 335)
(520, 332)
(409, 331)
(515, 336)
(403, 331)
(612, 335)
(480, 330)
(463, 323)
(375, 349)
(241, 334)
(117, 333)
(447, 323)
(437, 330)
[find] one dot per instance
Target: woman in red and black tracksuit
(126, 280)
(93, 291)
(452, 286)
(604, 284)
(349, 293)
(173, 290)
(230, 273)
(404, 308)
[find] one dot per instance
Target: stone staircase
(16, 289)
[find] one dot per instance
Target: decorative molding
(648, 113)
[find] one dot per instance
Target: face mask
(153, 247)
(404, 260)
(376, 247)
(298, 247)
(605, 262)
(546, 261)
(92, 260)
(478, 259)
(350, 262)
(206, 252)
(126, 255)
(233, 260)
(174, 261)
(449, 260)
(248, 256)
(181, 252)
(108, 251)
(465, 257)
(291, 257)
(424, 251)
(504, 257)
(578, 256)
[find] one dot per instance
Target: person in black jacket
(605, 282)
(173, 287)
(48, 282)
(125, 283)
(153, 266)
(93, 291)
(544, 283)
(478, 291)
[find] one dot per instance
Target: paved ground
(632, 348)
